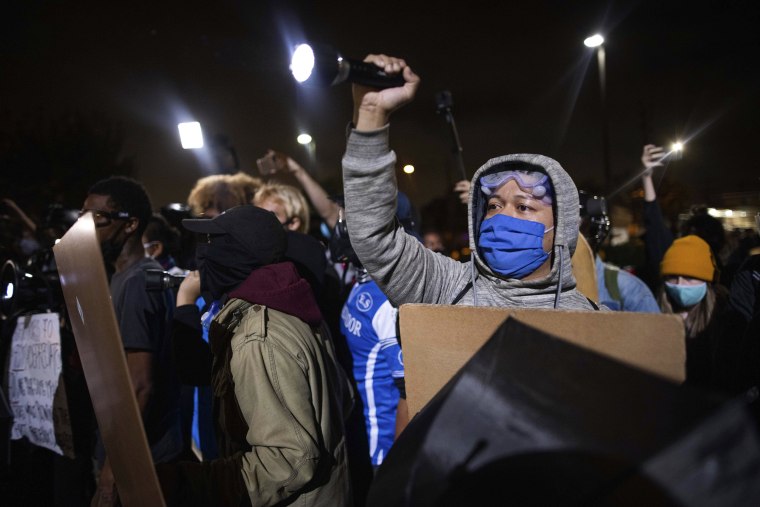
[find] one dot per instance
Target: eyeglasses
(537, 182)
(104, 218)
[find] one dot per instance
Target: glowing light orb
(302, 62)
(594, 41)
(190, 135)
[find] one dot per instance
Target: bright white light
(409, 169)
(677, 146)
(190, 135)
(594, 41)
(8, 291)
(721, 213)
(303, 139)
(302, 62)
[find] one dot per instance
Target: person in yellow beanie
(689, 289)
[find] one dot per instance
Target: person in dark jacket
(690, 291)
(279, 395)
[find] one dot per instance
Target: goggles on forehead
(534, 181)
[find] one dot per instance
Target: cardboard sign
(88, 300)
(584, 270)
(532, 419)
(438, 340)
(33, 384)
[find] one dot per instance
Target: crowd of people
(287, 343)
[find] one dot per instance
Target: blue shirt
(634, 293)
(368, 321)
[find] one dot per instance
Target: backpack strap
(611, 282)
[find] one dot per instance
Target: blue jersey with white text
(368, 321)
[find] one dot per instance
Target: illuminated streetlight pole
(190, 135)
(307, 142)
(677, 150)
(597, 41)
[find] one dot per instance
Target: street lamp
(190, 135)
(596, 41)
(677, 150)
(304, 138)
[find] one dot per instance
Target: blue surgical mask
(685, 296)
(512, 247)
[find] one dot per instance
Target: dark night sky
(521, 78)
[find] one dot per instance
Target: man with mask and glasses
(121, 210)
(523, 220)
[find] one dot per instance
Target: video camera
(595, 221)
(157, 280)
(33, 287)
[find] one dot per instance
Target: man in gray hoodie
(524, 219)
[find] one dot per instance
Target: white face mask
(619, 236)
(148, 245)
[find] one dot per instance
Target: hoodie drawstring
(559, 282)
(472, 277)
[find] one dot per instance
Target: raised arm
(405, 270)
(658, 237)
(326, 208)
(651, 157)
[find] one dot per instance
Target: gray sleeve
(405, 270)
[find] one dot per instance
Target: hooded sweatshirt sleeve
(404, 269)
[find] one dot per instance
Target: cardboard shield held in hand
(534, 420)
(88, 300)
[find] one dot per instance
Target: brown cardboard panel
(88, 300)
(438, 340)
(584, 270)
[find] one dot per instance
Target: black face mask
(200, 255)
(110, 248)
(223, 265)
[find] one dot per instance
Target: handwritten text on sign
(33, 378)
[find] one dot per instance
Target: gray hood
(566, 220)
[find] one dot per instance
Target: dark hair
(706, 227)
(159, 229)
(126, 194)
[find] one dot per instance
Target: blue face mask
(512, 247)
(685, 296)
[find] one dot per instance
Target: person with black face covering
(279, 395)
(121, 210)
